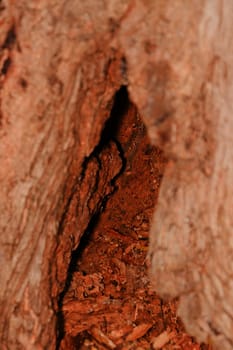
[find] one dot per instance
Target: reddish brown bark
(61, 65)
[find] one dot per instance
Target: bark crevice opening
(107, 275)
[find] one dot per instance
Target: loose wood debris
(110, 303)
(162, 339)
(139, 331)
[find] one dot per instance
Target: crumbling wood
(61, 63)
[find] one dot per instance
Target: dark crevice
(73, 262)
(120, 107)
(213, 329)
(23, 82)
(10, 39)
(6, 66)
(8, 44)
(2, 7)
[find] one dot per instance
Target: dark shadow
(120, 107)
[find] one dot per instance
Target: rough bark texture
(61, 64)
(191, 238)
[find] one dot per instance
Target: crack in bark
(107, 142)
(10, 38)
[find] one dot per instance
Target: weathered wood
(61, 63)
(58, 78)
(191, 236)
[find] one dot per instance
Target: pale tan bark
(191, 237)
(55, 98)
(62, 62)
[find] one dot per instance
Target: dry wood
(61, 63)
(162, 339)
(139, 331)
(101, 337)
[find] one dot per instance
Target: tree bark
(61, 64)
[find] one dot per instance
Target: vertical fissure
(107, 281)
(120, 107)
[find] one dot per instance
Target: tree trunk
(62, 63)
